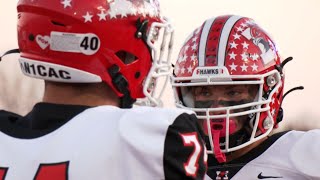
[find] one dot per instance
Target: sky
(294, 26)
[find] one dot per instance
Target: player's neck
(79, 95)
(243, 151)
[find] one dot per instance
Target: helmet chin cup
(220, 125)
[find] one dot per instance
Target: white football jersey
(108, 143)
(292, 155)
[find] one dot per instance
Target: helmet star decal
(248, 49)
(119, 9)
(66, 3)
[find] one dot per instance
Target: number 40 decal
(89, 44)
(58, 171)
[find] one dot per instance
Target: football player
(230, 73)
(96, 58)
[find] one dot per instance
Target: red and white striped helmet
(229, 50)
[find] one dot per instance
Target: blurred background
(294, 25)
(18, 93)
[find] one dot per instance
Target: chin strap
(280, 113)
(13, 51)
(293, 89)
(280, 69)
(121, 84)
(142, 27)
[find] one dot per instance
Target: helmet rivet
(139, 35)
(271, 81)
(267, 123)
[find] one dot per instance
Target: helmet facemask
(160, 40)
(231, 124)
(231, 51)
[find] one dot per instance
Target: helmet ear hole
(126, 57)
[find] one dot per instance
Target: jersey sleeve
(304, 154)
(184, 153)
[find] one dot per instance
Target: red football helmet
(111, 41)
(231, 50)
